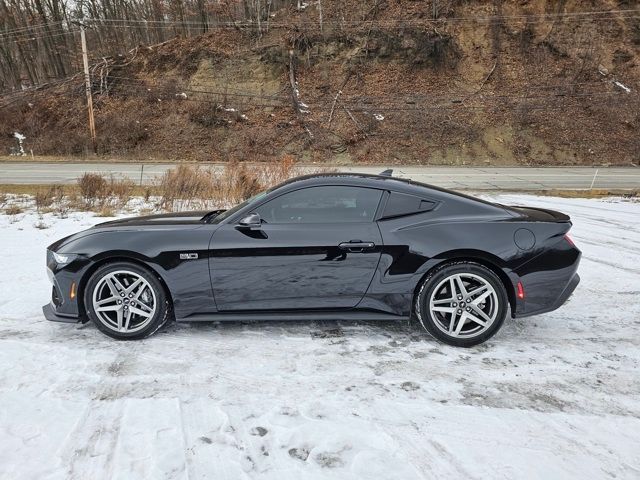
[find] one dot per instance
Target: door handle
(356, 246)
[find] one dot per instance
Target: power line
(425, 21)
(39, 90)
(26, 34)
(31, 27)
(390, 109)
(377, 98)
(212, 24)
(41, 34)
(409, 101)
(307, 25)
(31, 38)
(353, 105)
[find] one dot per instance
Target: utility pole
(87, 81)
(434, 4)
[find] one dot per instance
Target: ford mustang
(321, 247)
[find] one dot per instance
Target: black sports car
(330, 246)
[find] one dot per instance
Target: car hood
(165, 221)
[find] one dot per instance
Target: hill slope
(505, 82)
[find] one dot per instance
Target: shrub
(205, 115)
(62, 208)
(40, 225)
(183, 185)
(237, 183)
(97, 191)
(188, 186)
(92, 187)
(275, 173)
(106, 211)
(45, 198)
(13, 210)
(119, 191)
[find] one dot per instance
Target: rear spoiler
(535, 214)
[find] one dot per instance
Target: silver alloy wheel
(124, 301)
(463, 305)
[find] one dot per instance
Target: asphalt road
(471, 178)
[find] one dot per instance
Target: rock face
(535, 82)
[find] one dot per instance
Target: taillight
(569, 240)
(520, 291)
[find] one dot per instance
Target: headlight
(63, 259)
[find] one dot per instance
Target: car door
(313, 248)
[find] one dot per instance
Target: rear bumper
(548, 280)
(562, 298)
(50, 314)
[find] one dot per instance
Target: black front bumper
(51, 315)
(66, 280)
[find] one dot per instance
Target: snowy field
(550, 397)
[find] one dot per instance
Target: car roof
(354, 178)
(403, 185)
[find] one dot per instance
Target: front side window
(331, 204)
(240, 206)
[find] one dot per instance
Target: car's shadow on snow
(395, 334)
(314, 329)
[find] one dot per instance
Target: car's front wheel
(462, 303)
(126, 301)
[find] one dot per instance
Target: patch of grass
(119, 191)
(70, 189)
(40, 225)
(106, 212)
(145, 211)
(13, 210)
(584, 193)
(32, 189)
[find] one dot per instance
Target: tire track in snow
(90, 446)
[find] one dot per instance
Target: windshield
(240, 206)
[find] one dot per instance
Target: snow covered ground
(554, 396)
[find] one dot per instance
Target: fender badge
(188, 256)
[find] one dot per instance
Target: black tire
(435, 326)
(162, 312)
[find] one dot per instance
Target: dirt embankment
(521, 83)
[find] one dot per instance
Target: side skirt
(362, 316)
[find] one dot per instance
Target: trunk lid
(534, 214)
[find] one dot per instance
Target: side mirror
(251, 221)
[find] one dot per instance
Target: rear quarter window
(401, 204)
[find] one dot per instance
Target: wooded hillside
(384, 81)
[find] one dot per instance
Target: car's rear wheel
(126, 301)
(462, 304)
